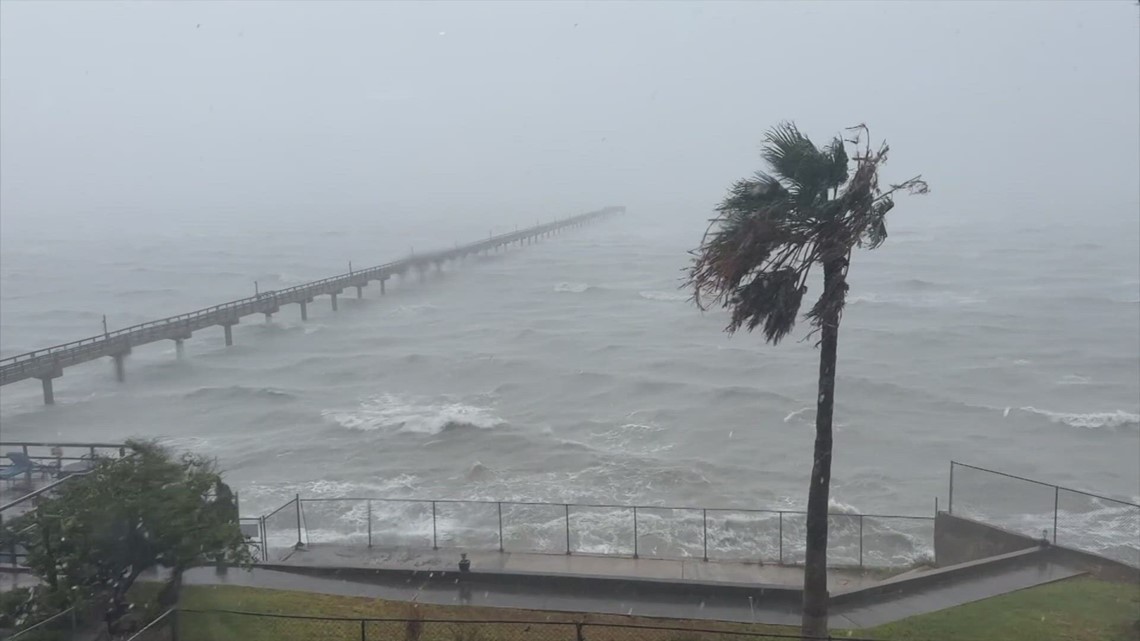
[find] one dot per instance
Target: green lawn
(1080, 609)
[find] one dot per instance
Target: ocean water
(575, 370)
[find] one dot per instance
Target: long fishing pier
(48, 363)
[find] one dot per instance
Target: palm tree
(755, 258)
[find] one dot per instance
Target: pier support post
(120, 366)
(46, 377)
(382, 281)
(359, 292)
(179, 344)
(304, 310)
(268, 317)
(229, 327)
(333, 301)
(49, 393)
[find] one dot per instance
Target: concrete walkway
(650, 588)
(689, 570)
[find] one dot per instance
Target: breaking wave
(1090, 420)
(663, 296)
(922, 299)
(236, 392)
(804, 414)
(571, 288)
(413, 415)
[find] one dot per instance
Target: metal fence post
(500, 504)
(705, 532)
(567, 506)
(860, 540)
(950, 502)
(363, 633)
(781, 538)
(264, 540)
(298, 499)
(635, 531)
(369, 531)
(1056, 504)
(434, 536)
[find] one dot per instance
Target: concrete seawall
(959, 540)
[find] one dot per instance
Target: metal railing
(12, 544)
(12, 549)
(57, 453)
(1071, 518)
(188, 624)
(50, 459)
(53, 627)
(636, 531)
(29, 363)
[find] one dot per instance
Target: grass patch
(532, 624)
(1080, 609)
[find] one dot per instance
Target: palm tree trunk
(815, 560)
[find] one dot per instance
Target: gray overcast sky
(496, 110)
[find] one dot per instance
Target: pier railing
(1071, 518)
(650, 531)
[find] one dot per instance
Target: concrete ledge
(573, 583)
(939, 575)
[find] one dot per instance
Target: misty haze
(157, 159)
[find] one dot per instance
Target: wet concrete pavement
(606, 592)
(694, 570)
(457, 592)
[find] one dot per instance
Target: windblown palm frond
(771, 229)
(808, 171)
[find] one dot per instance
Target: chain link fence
(767, 536)
(281, 531)
(1071, 518)
(216, 625)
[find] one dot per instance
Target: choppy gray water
(575, 370)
